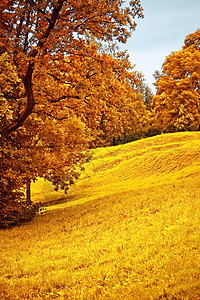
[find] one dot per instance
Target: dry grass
(128, 229)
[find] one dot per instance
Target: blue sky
(165, 25)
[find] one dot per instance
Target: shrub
(16, 212)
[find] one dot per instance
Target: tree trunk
(27, 81)
(28, 192)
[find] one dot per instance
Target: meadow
(128, 229)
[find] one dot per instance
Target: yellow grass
(128, 229)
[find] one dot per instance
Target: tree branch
(27, 79)
(52, 22)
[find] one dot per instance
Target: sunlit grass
(128, 229)
(43, 191)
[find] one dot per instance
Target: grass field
(128, 229)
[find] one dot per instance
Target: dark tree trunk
(28, 192)
(27, 80)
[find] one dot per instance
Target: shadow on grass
(67, 198)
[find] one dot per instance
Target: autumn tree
(34, 30)
(44, 146)
(145, 90)
(176, 104)
(60, 88)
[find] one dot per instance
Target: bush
(16, 212)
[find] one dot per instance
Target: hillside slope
(154, 161)
(128, 229)
(163, 160)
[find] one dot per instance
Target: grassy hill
(128, 229)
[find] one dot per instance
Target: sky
(164, 28)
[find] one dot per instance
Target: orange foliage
(62, 94)
(98, 88)
(31, 31)
(176, 104)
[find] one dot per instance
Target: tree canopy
(176, 104)
(60, 93)
(31, 31)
